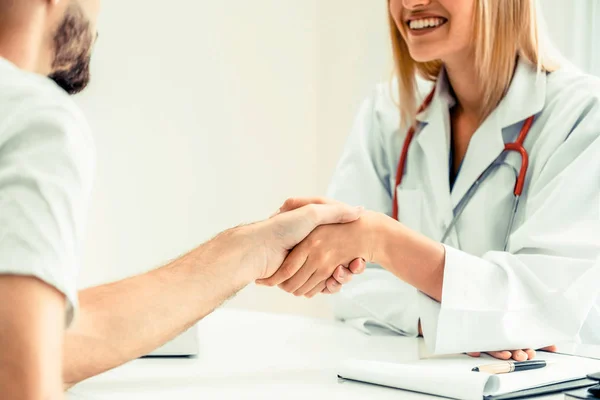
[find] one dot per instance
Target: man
(46, 171)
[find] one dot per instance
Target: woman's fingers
(298, 280)
(519, 355)
(530, 353)
(357, 266)
(318, 289)
(291, 265)
(501, 355)
(333, 286)
(551, 349)
(311, 284)
(342, 275)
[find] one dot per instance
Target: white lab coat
(544, 289)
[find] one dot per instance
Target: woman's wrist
(383, 234)
(411, 256)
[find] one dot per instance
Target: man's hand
(124, 320)
(282, 232)
(517, 355)
(342, 274)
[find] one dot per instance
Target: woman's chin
(424, 57)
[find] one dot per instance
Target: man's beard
(72, 51)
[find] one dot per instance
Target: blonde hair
(504, 29)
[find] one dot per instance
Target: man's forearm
(124, 320)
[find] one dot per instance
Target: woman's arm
(538, 293)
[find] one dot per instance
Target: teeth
(425, 23)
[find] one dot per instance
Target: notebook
(451, 376)
(580, 394)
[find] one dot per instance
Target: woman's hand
(342, 274)
(312, 262)
(517, 355)
(317, 264)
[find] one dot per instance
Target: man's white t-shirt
(46, 172)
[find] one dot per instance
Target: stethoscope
(520, 175)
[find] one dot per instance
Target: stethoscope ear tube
(462, 204)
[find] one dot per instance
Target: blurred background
(208, 114)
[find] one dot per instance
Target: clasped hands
(332, 254)
(327, 258)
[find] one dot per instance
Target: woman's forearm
(411, 256)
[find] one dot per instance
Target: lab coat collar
(525, 97)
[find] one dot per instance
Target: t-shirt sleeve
(46, 172)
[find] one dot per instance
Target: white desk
(251, 355)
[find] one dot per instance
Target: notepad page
(442, 381)
(564, 369)
(451, 376)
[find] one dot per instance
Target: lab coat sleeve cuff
(429, 311)
(449, 327)
(376, 299)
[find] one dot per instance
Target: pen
(511, 366)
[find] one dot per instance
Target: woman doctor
(475, 268)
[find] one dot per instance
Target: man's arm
(32, 323)
(122, 321)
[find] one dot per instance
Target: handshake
(316, 245)
(312, 246)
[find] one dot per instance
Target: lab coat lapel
(434, 140)
(525, 97)
(485, 146)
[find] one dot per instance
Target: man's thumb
(323, 214)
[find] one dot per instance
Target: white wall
(209, 113)
(575, 30)
(205, 115)
(353, 55)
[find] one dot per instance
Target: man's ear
(58, 5)
(56, 10)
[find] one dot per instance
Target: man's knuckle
(286, 287)
(287, 270)
(313, 212)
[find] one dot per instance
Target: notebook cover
(580, 394)
(548, 389)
